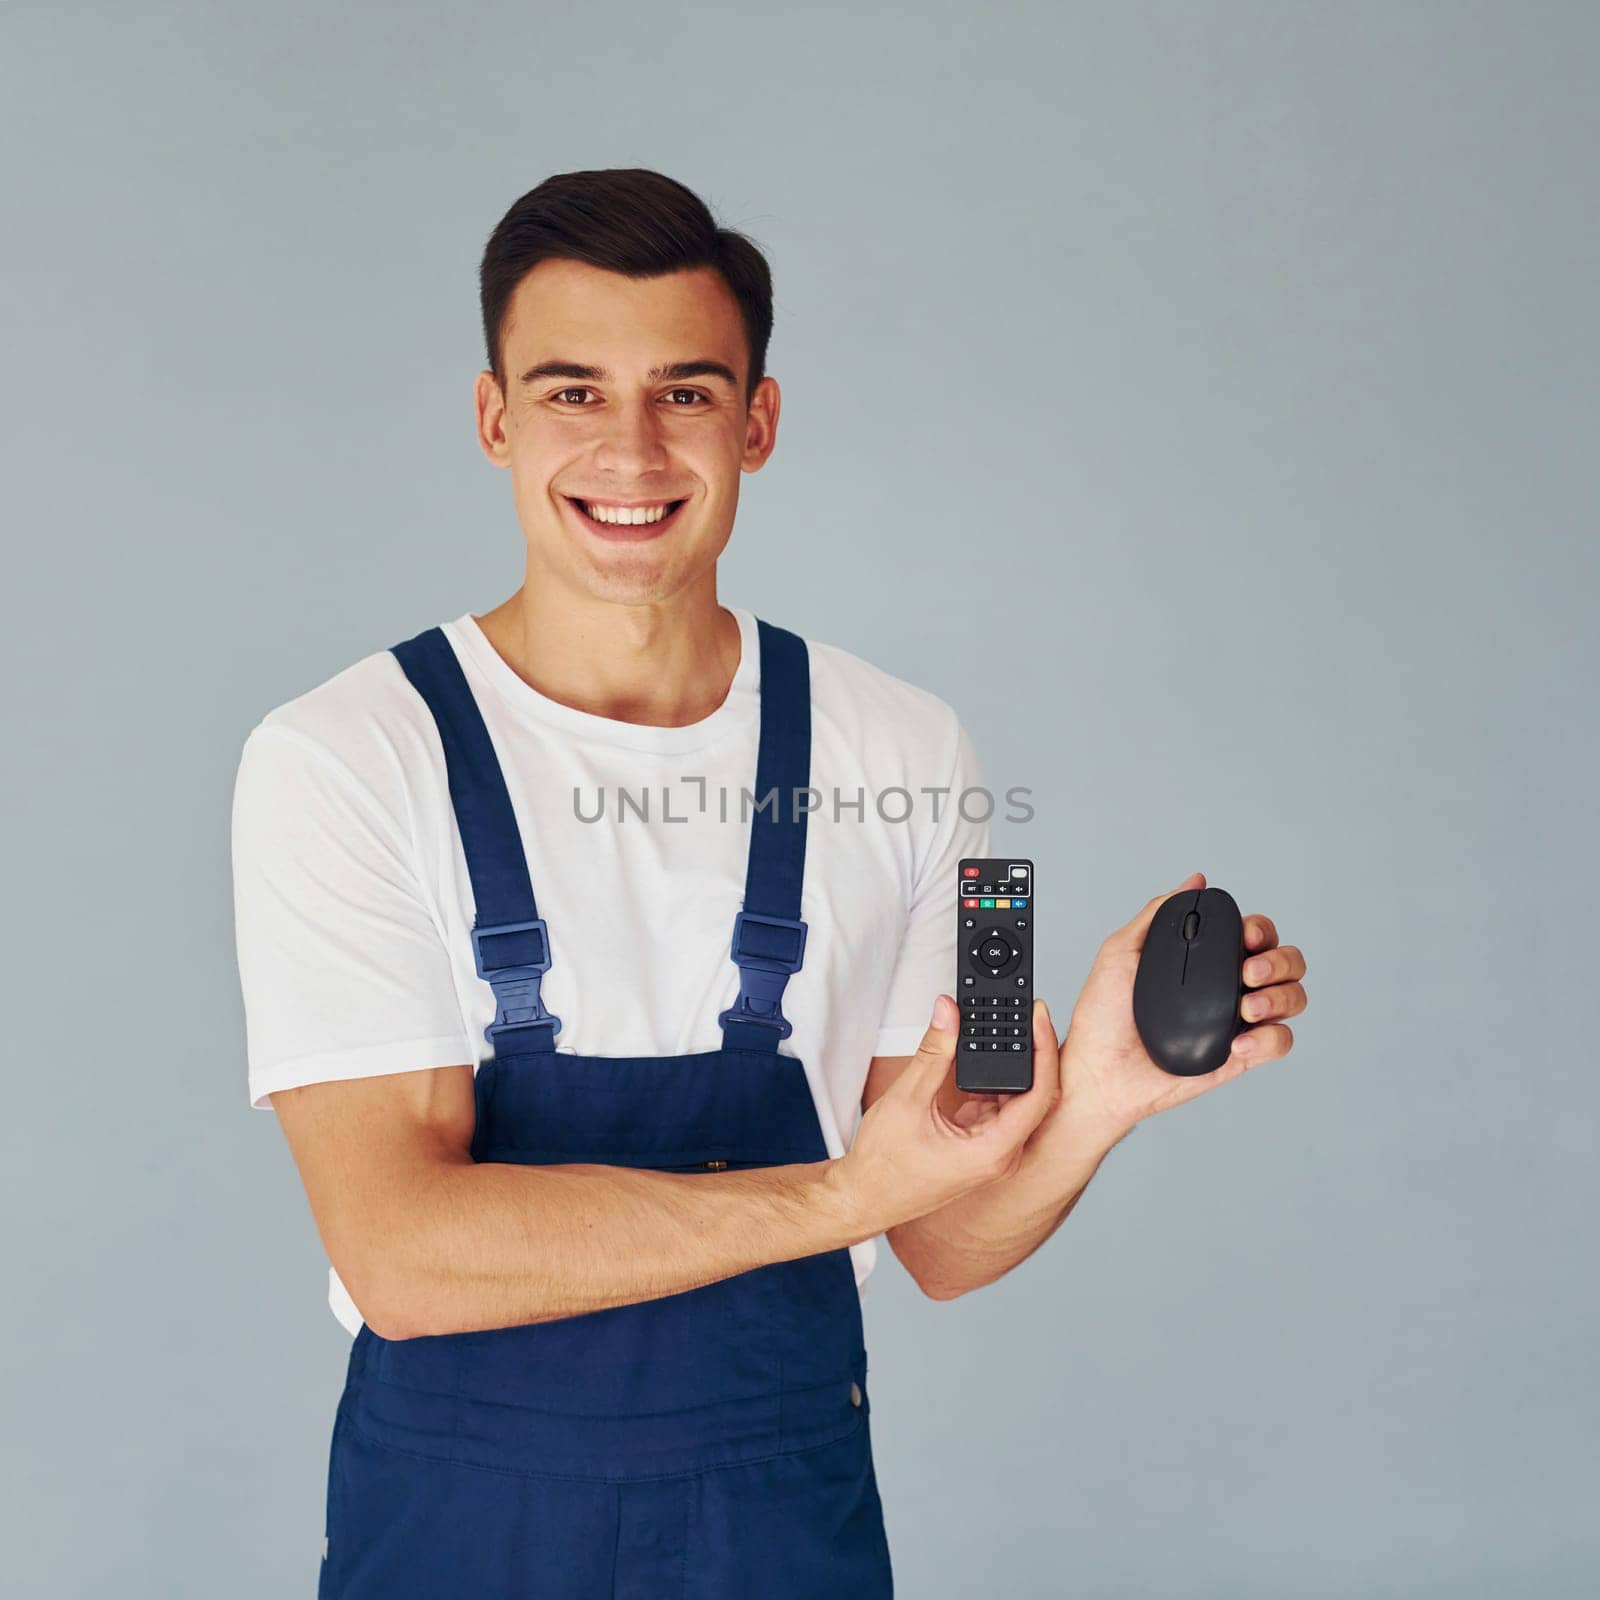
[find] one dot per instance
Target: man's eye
(562, 394)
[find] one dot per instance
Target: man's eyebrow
(674, 371)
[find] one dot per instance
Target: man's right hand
(910, 1158)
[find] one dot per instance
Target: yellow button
(1002, 905)
(855, 1394)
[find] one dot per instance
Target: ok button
(855, 1394)
(995, 952)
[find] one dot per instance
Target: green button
(987, 904)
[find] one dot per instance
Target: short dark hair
(629, 220)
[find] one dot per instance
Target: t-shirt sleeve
(341, 962)
(927, 962)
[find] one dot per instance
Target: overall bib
(712, 1443)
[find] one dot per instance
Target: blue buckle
(515, 984)
(764, 969)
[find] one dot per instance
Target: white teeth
(625, 515)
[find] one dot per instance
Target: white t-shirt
(354, 909)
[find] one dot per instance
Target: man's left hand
(1108, 1080)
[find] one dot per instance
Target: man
(605, 1275)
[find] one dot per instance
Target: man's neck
(662, 664)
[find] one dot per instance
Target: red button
(969, 872)
(969, 904)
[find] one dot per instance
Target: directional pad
(991, 951)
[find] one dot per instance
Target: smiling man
(574, 1103)
(625, 465)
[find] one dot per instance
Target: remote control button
(972, 872)
(995, 952)
(1019, 905)
(1002, 904)
(1022, 983)
(1022, 922)
(1016, 1047)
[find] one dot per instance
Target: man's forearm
(491, 1245)
(980, 1237)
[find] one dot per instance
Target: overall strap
(769, 939)
(510, 945)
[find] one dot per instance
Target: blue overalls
(712, 1443)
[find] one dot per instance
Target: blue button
(1019, 905)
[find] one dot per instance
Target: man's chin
(633, 576)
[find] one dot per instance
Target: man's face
(649, 423)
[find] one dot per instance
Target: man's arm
(429, 1241)
(981, 1236)
(1107, 1085)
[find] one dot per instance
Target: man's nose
(631, 433)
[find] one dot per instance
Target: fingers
(1278, 965)
(1281, 1000)
(1260, 933)
(1270, 1042)
(1130, 936)
(1024, 1112)
(1046, 1048)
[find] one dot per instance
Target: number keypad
(995, 1022)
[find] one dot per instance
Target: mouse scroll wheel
(1191, 927)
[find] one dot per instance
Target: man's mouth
(627, 522)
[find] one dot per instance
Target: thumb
(1130, 936)
(931, 1063)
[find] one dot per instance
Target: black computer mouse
(1190, 980)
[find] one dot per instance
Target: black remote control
(994, 977)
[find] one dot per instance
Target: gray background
(1251, 346)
